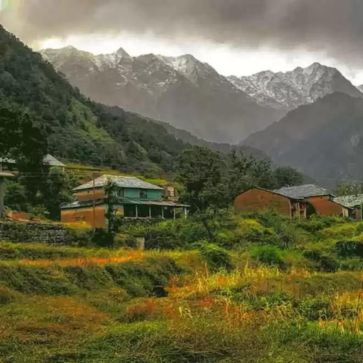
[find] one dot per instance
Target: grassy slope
(67, 304)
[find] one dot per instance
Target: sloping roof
(350, 201)
(121, 181)
(303, 191)
(82, 204)
(52, 161)
(89, 203)
(159, 203)
(5, 174)
(47, 160)
(7, 161)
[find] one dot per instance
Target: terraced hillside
(267, 290)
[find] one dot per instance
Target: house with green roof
(131, 198)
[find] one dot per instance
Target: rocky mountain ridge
(183, 91)
(289, 90)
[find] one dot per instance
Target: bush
(349, 248)
(322, 261)
(6, 295)
(216, 257)
(317, 223)
(103, 238)
(269, 255)
(316, 308)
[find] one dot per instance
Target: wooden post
(150, 214)
(2, 197)
(136, 211)
(162, 212)
(94, 202)
(185, 213)
(174, 213)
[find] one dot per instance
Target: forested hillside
(76, 128)
(322, 140)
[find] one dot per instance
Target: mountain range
(78, 129)
(182, 91)
(289, 90)
(193, 96)
(323, 140)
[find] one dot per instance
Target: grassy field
(267, 290)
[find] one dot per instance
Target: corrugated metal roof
(350, 201)
(158, 203)
(47, 160)
(7, 161)
(303, 191)
(82, 204)
(121, 181)
(5, 174)
(52, 161)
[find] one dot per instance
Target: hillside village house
(354, 203)
(135, 199)
(294, 202)
(48, 160)
(8, 169)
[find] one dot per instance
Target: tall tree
(201, 171)
(59, 185)
(286, 176)
(23, 140)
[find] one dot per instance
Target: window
(143, 194)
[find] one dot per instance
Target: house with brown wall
(354, 203)
(258, 199)
(294, 202)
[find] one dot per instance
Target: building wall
(85, 215)
(298, 209)
(326, 207)
(357, 213)
(151, 194)
(155, 194)
(99, 193)
(258, 200)
(90, 194)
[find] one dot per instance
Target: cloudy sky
(235, 36)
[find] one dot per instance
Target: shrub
(316, 308)
(103, 238)
(317, 223)
(269, 255)
(162, 239)
(6, 295)
(322, 261)
(215, 256)
(349, 248)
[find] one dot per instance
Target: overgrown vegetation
(266, 290)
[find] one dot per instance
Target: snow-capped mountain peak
(190, 67)
(121, 52)
(291, 89)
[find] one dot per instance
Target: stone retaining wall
(35, 232)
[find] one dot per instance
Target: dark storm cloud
(332, 26)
